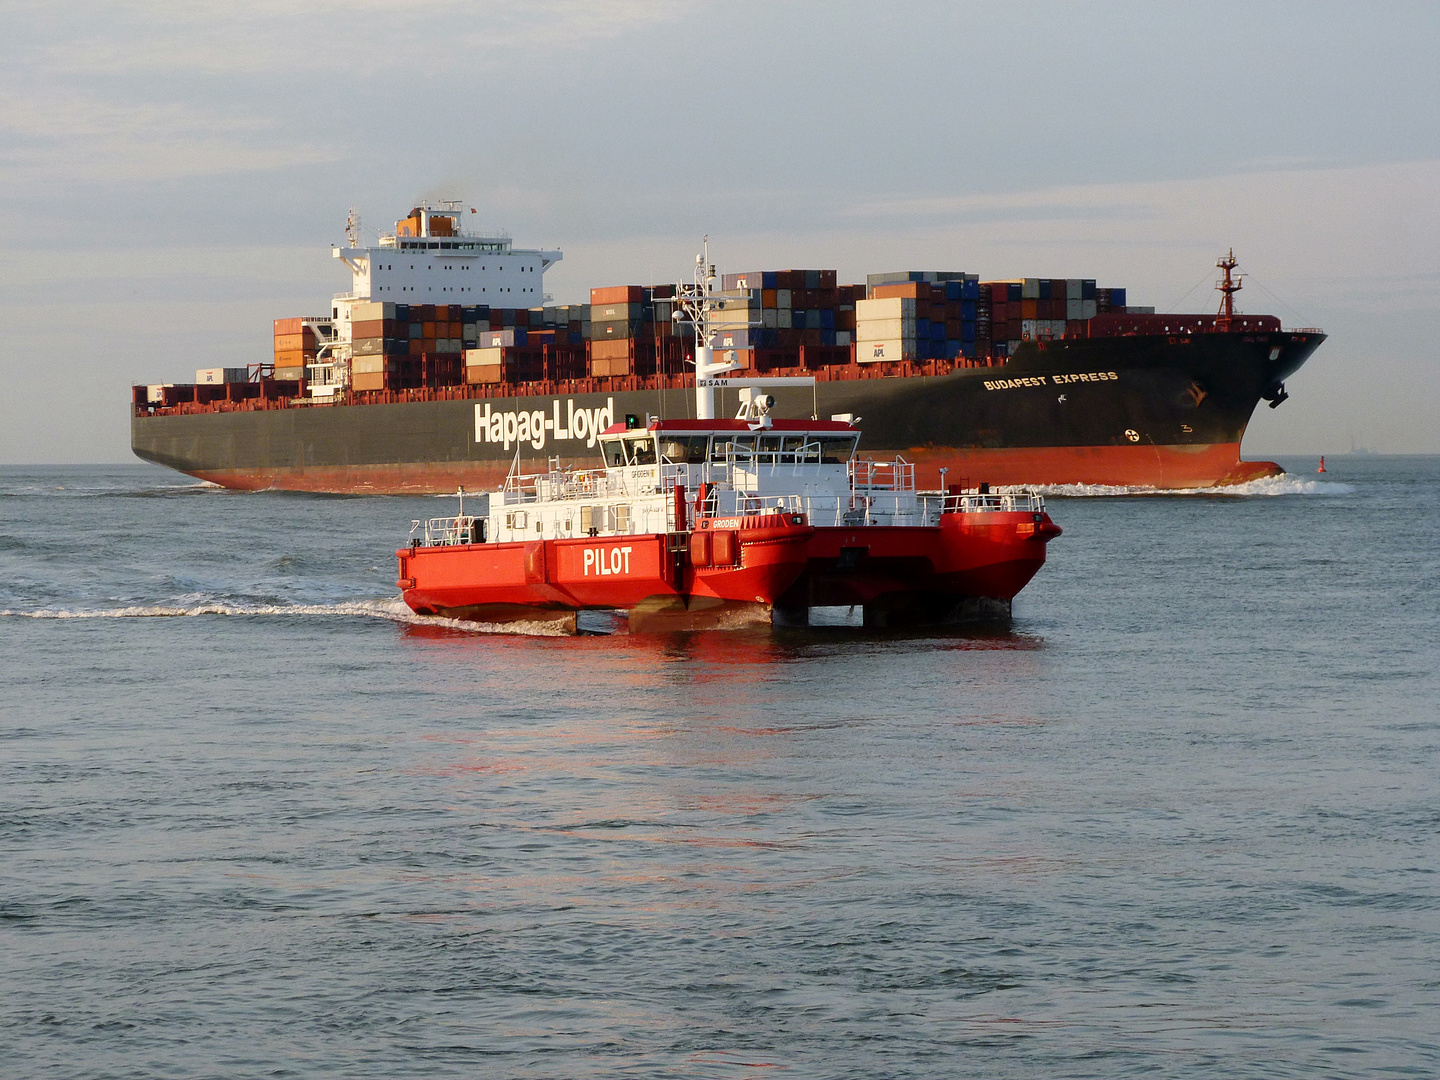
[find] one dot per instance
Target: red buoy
(1322, 464)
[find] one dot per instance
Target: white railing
(747, 505)
(443, 531)
(574, 484)
(1024, 502)
(867, 475)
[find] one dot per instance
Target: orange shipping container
(478, 374)
(372, 328)
(616, 348)
(1028, 309)
(620, 365)
(368, 380)
(293, 358)
(617, 294)
(289, 326)
(294, 343)
(908, 290)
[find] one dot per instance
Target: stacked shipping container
(917, 315)
(294, 347)
(784, 318)
(768, 320)
(632, 332)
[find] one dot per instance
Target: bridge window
(684, 449)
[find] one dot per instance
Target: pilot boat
(711, 523)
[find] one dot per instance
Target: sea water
(1179, 818)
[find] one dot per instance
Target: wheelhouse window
(684, 449)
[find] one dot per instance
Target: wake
(1265, 486)
(391, 610)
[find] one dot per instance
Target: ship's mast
(698, 303)
(1228, 286)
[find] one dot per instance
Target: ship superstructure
(431, 258)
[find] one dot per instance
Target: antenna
(1229, 288)
(697, 302)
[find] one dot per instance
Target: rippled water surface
(1179, 819)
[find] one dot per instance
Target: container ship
(447, 365)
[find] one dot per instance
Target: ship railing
(564, 484)
(446, 531)
(747, 505)
(1024, 502)
(867, 475)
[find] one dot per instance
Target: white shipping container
(1073, 308)
(497, 338)
(155, 392)
(1030, 288)
(783, 318)
(370, 310)
(769, 317)
(869, 352)
(215, 375)
(1088, 309)
(1072, 288)
(367, 365)
(880, 329)
(290, 374)
(842, 337)
(782, 299)
(482, 357)
(889, 307)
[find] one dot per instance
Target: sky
(173, 175)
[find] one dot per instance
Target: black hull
(1145, 410)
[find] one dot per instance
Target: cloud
(357, 36)
(81, 135)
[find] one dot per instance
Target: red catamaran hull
(969, 564)
(662, 581)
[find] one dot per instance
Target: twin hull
(731, 571)
(1146, 410)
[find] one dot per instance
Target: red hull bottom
(662, 586)
(1166, 467)
(1212, 465)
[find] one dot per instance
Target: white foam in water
(392, 610)
(1268, 485)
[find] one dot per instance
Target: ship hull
(1152, 411)
(662, 587)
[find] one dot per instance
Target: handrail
(446, 531)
